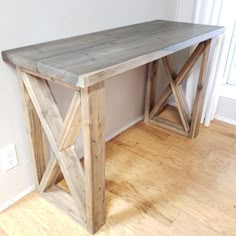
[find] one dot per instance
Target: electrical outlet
(8, 158)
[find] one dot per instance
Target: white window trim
(228, 89)
(231, 57)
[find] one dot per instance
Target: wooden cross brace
(49, 133)
(190, 121)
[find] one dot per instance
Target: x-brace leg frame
(190, 121)
(86, 183)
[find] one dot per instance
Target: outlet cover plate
(8, 158)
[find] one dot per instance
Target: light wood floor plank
(186, 225)
(208, 207)
(3, 233)
(223, 128)
(122, 219)
(157, 182)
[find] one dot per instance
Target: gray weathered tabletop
(87, 59)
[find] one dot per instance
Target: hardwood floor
(2, 233)
(158, 183)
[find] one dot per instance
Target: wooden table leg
(43, 113)
(152, 72)
(85, 198)
(92, 104)
(198, 103)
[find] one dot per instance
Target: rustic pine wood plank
(51, 120)
(50, 175)
(197, 107)
(180, 78)
(169, 125)
(179, 89)
(51, 79)
(190, 63)
(37, 138)
(150, 88)
(46, 149)
(184, 103)
(45, 106)
(88, 59)
(183, 116)
(72, 124)
(92, 99)
(63, 201)
(72, 170)
(37, 142)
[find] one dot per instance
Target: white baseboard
(227, 120)
(19, 196)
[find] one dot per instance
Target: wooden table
(83, 63)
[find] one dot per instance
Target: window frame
(230, 59)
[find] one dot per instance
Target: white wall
(28, 22)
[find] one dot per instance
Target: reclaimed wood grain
(198, 102)
(64, 201)
(88, 59)
(92, 107)
(150, 88)
(44, 103)
(38, 143)
(50, 175)
(72, 124)
(51, 120)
